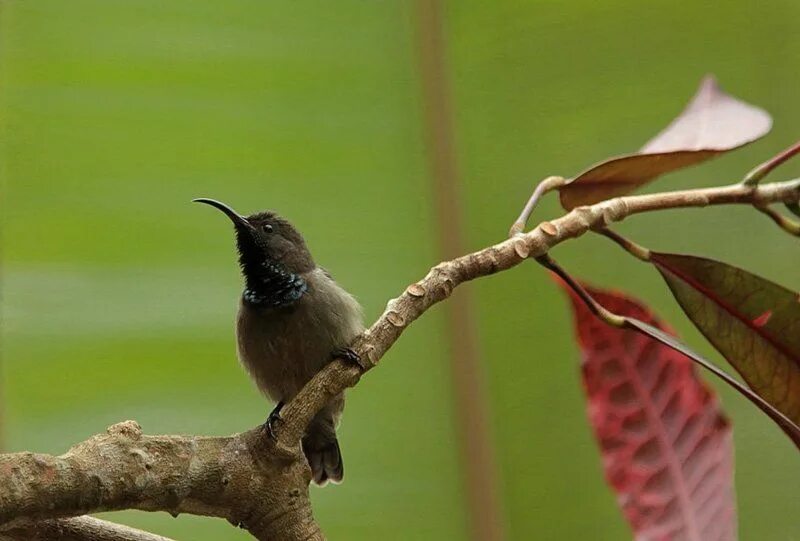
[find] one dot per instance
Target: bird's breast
(282, 348)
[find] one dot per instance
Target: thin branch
(78, 529)
(757, 175)
(594, 307)
(636, 250)
(439, 283)
(790, 226)
(547, 185)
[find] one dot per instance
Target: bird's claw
(273, 420)
(347, 354)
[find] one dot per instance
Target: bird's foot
(347, 354)
(273, 420)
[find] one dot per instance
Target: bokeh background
(118, 295)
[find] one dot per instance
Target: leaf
(786, 424)
(711, 124)
(754, 323)
(667, 448)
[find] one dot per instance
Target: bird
(293, 319)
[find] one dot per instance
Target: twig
(547, 185)
(444, 277)
(594, 307)
(757, 175)
(790, 226)
(636, 250)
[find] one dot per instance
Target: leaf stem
(756, 175)
(547, 185)
(636, 250)
(794, 208)
(790, 226)
(596, 308)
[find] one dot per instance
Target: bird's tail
(322, 449)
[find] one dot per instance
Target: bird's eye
(266, 228)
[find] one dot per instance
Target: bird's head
(265, 239)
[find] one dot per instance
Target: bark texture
(243, 478)
(78, 529)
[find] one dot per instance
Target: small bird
(293, 320)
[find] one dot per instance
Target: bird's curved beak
(236, 218)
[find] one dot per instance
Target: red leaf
(667, 448)
(712, 123)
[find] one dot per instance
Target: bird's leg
(348, 355)
(273, 420)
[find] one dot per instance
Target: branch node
(547, 185)
(584, 216)
(128, 429)
(521, 248)
(614, 210)
(395, 318)
(416, 290)
(548, 228)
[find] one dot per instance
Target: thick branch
(444, 277)
(241, 478)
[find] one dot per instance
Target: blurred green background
(118, 296)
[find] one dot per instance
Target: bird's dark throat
(272, 286)
(267, 283)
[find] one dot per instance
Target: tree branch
(444, 277)
(242, 478)
(263, 485)
(77, 529)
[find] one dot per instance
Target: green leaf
(753, 322)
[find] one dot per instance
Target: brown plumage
(293, 318)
